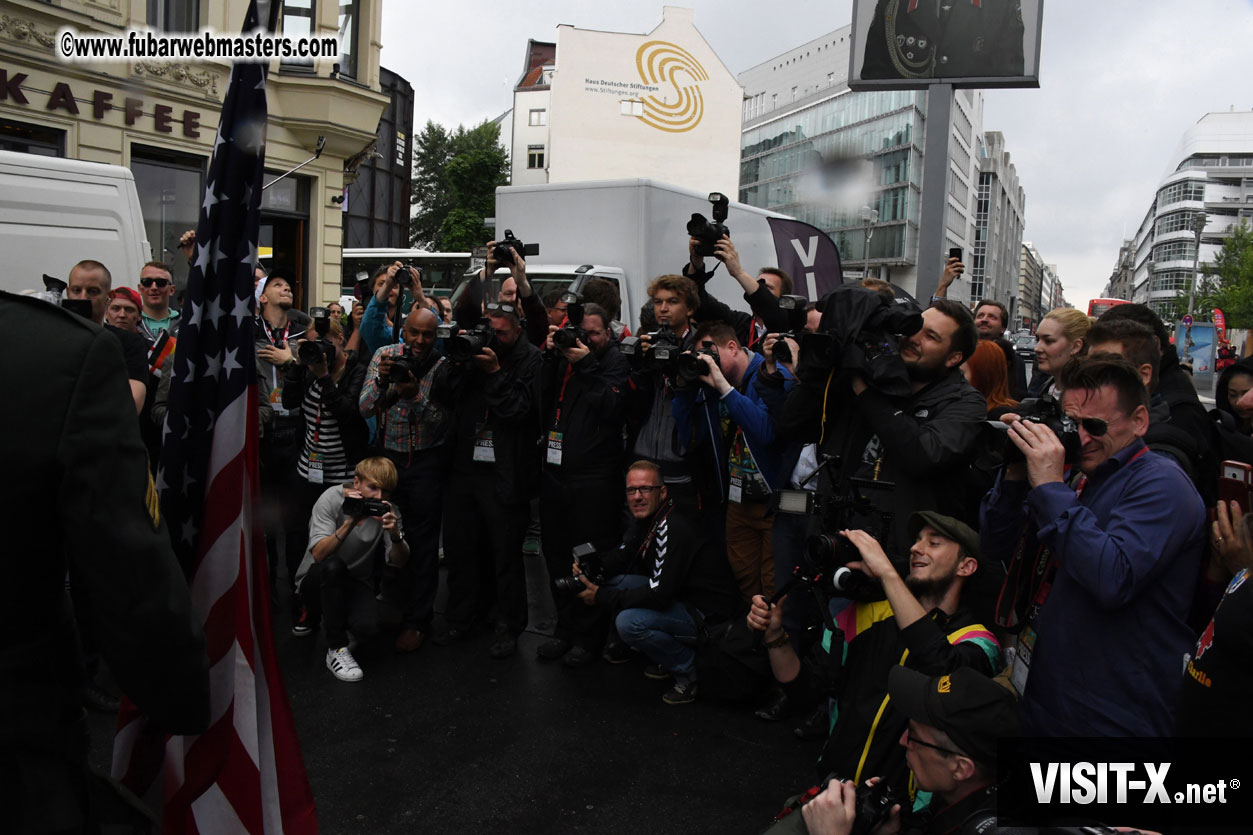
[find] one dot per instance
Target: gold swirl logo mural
(665, 64)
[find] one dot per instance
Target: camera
(689, 366)
(708, 233)
(797, 312)
(1047, 413)
(572, 331)
(589, 565)
(662, 357)
(873, 804)
(404, 277)
(862, 331)
(507, 247)
(314, 351)
(568, 335)
(362, 507)
(404, 369)
(460, 347)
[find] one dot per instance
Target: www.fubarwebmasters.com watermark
(142, 44)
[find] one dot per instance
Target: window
(297, 22)
(534, 156)
(31, 139)
(1181, 191)
(174, 15)
(1171, 280)
(538, 118)
(348, 13)
(632, 107)
(171, 188)
(793, 94)
(1181, 250)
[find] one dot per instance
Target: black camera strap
(662, 513)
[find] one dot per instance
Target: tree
(455, 175)
(1228, 281)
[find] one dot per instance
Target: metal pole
(934, 201)
(1198, 225)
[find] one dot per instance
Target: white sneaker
(341, 663)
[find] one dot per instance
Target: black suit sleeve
(139, 606)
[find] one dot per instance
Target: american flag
(244, 774)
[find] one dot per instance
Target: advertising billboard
(906, 44)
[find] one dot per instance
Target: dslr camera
(509, 245)
(689, 366)
(360, 507)
(405, 277)
(662, 357)
(589, 565)
(708, 233)
(1048, 413)
(313, 351)
(572, 332)
(461, 347)
(796, 316)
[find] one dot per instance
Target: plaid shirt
(400, 428)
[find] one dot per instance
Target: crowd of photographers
(853, 514)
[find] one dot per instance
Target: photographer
(916, 432)
(411, 430)
(583, 389)
(492, 392)
(762, 294)
(390, 284)
(346, 539)
(1103, 571)
(745, 451)
(926, 624)
(520, 294)
(664, 582)
(324, 391)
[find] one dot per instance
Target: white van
(55, 212)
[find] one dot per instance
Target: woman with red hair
(987, 371)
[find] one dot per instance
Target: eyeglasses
(502, 307)
(916, 741)
(644, 491)
(148, 282)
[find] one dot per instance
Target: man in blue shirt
(1117, 553)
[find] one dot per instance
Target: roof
(538, 55)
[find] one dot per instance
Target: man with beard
(919, 444)
(925, 624)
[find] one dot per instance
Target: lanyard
(648, 540)
(269, 333)
(562, 396)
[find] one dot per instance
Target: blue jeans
(658, 633)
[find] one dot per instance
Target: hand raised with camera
(318, 369)
(873, 559)
(767, 350)
(1044, 453)
(953, 268)
(726, 252)
(1227, 546)
(713, 376)
(389, 522)
(358, 312)
(486, 361)
(588, 595)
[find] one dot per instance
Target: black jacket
(924, 444)
(586, 404)
(507, 404)
(340, 401)
(764, 304)
(682, 567)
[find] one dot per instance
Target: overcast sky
(1120, 82)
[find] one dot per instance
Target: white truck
(56, 212)
(632, 231)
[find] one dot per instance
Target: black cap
(971, 708)
(954, 529)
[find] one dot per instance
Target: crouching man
(664, 582)
(352, 530)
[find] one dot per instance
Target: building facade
(1030, 288)
(815, 150)
(1209, 183)
(999, 214)
(1121, 284)
(612, 105)
(376, 203)
(159, 119)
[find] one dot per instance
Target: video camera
(797, 313)
(862, 331)
(572, 332)
(314, 351)
(590, 567)
(507, 247)
(360, 507)
(708, 234)
(1048, 413)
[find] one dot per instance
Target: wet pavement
(450, 740)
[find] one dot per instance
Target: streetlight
(868, 216)
(1198, 226)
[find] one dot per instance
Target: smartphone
(1235, 484)
(955, 252)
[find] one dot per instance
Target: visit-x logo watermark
(1084, 783)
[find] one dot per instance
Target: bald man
(91, 281)
(411, 429)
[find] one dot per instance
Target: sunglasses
(502, 307)
(148, 282)
(1096, 427)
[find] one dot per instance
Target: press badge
(315, 468)
(736, 493)
(554, 448)
(484, 449)
(1022, 659)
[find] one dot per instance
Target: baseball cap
(954, 529)
(127, 293)
(971, 708)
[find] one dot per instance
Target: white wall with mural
(660, 105)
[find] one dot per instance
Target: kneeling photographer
(583, 385)
(351, 530)
(411, 430)
(924, 620)
(322, 390)
(661, 585)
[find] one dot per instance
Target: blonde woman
(1059, 339)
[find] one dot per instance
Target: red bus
(1098, 306)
